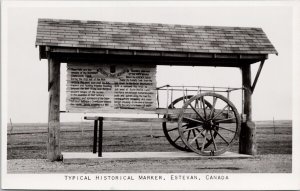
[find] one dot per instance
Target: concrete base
(76, 157)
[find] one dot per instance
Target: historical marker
(109, 87)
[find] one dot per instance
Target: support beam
(247, 144)
(152, 53)
(53, 145)
(246, 77)
(257, 75)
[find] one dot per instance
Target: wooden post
(95, 136)
(100, 136)
(247, 143)
(53, 145)
(246, 77)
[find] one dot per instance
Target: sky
(26, 75)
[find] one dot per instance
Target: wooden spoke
(227, 129)
(198, 130)
(220, 112)
(193, 120)
(201, 132)
(204, 108)
(188, 137)
(184, 97)
(213, 139)
(185, 125)
(224, 120)
(204, 141)
(196, 103)
(221, 136)
(176, 139)
(177, 128)
(196, 140)
(189, 129)
(197, 112)
(199, 105)
(213, 107)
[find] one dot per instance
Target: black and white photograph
(110, 95)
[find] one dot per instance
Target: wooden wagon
(111, 68)
(206, 123)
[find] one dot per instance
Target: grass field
(28, 141)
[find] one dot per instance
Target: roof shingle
(153, 37)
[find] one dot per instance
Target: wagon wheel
(222, 119)
(171, 129)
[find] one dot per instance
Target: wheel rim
(211, 131)
(171, 129)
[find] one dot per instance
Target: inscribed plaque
(109, 87)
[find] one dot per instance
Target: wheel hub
(208, 125)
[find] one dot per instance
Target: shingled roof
(153, 37)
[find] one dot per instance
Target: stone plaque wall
(95, 87)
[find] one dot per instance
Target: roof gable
(153, 37)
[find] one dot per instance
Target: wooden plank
(121, 52)
(87, 157)
(157, 60)
(200, 55)
(156, 53)
(53, 145)
(175, 54)
(173, 118)
(148, 53)
(127, 119)
(97, 110)
(254, 56)
(228, 56)
(161, 111)
(68, 53)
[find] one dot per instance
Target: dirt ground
(259, 164)
(27, 150)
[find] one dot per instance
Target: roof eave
(152, 53)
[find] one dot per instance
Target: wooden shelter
(142, 44)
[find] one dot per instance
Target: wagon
(112, 68)
(202, 120)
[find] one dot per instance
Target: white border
(236, 181)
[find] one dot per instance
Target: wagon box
(111, 68)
